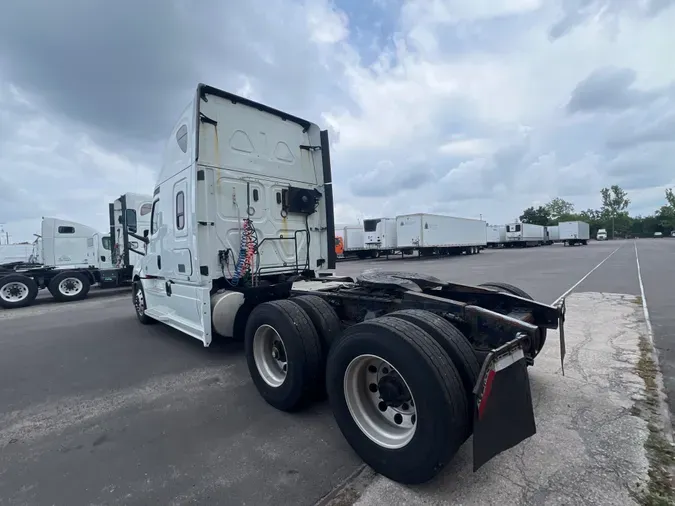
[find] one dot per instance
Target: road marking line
(644, 299)
(555, 302)
(661, 389)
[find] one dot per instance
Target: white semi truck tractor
(241, 245)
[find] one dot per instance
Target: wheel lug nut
(372, 387)
(382, 406)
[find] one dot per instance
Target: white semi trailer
(379, 235)
(525, 234)
(495, 236)
(242, 229)
(74, 256)
(354, 243)
(439, 234)
(553, 234)
(574, 232)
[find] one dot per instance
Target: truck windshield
(370, 225)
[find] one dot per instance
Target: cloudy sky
(468, 108)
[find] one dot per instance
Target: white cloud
(456, 107)
(459, 146)
(327, 25)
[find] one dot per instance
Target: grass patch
(638, 300)
(658, 491)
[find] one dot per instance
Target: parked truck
(574, 232)
(129, 220)
(412, 365)
(379, 235)
(602, 235)
(439, 234)
(495, 236)
(523, 235)
(74, 256)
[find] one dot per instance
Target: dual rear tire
(399, 386)
(17, 290)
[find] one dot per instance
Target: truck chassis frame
(488, 336)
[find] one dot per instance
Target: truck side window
(131, 220)
(180, 210)
(66, 230)
(154, 222)
(181, 138)
(106, 243)
(145, 209)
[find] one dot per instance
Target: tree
(615, 201)
(559, 207)
(670, 198)
(538, 216)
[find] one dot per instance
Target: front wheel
(140, 304)
(397, 398)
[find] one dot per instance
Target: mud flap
(503, 412)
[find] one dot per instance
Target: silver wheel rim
(269, 354)
(14, 292)
(390, 425)
(140, 302)
(70, 287)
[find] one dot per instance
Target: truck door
(179, 263)
(92, 250)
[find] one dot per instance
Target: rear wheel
(323, 317)
(17, 290)
(69, 286)
(283, 353)
(514, 290)
(397, 398)
(451, 340)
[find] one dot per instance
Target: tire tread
(457, 346)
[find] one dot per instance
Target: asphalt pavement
(97, 409)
